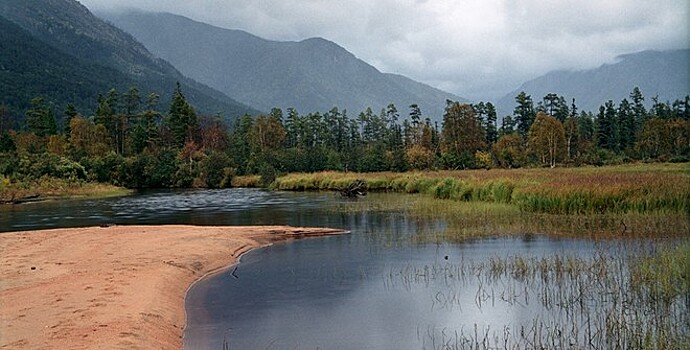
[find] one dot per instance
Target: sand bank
(119, 287)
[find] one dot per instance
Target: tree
(490, 127)
(508, 151)
(182, 120)
(415, 115)
(507, 126)
(524, 113)
(267, 133)
(572, 134)
(655, 138)
(214, 135)
(638, 107)
(70, 112)
(462, 135)
(607, 129)
(419, 157)
(626, 125)
(547, 139)
(87, 139)
(241, 147)
(105, 115)
(40, 118)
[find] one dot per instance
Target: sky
(477, 49)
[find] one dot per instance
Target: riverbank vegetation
(129, 142)
(639, 188)
(46, 188)
(626, 201)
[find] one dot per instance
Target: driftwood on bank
(354, 189)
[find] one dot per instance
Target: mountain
(60, 50)
(665, 74)
(30, 68)
(310, 75)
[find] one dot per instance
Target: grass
(469, 220)
(246, 181)
(47, 188)
(638, 188)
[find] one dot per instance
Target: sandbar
(118, 287)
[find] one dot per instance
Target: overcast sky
(478, 49)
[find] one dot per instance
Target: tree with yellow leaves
(547, 139)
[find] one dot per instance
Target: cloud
(478, 49)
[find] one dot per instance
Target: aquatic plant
(605, 301)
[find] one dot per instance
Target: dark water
(198, 207)
(371, 289)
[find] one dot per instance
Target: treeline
(129, 142)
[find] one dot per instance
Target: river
(375, 288)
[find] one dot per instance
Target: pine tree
(40, 118)
(524, 113)
(626, 125)
(607, 130)
(490, 126)
(182, 120)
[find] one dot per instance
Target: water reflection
(197, 207)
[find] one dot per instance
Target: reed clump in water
(611, 300)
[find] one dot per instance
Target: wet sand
(120, 287)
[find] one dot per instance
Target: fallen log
(354, 189)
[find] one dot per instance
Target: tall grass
(641, 188)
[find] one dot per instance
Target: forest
(130, 142)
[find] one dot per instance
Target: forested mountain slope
(66, 54)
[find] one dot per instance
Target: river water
(375, 288)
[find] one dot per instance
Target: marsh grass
(636, 298)
(469, 220)
(639, 188)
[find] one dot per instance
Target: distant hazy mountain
(59, 50)
(311, 75)
(665, 74)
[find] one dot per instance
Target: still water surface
(371, 289)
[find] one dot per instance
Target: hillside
(311, 75)
(67, 44)
(664, 74)
(30, 68)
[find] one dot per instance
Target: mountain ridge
(311, 75)
(665, 74)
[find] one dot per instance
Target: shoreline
(210, 274)
(119, 287)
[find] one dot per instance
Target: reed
(619, 300)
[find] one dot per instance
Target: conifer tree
(182, 120)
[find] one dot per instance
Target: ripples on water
(199, 207)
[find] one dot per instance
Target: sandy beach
(119, 287)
